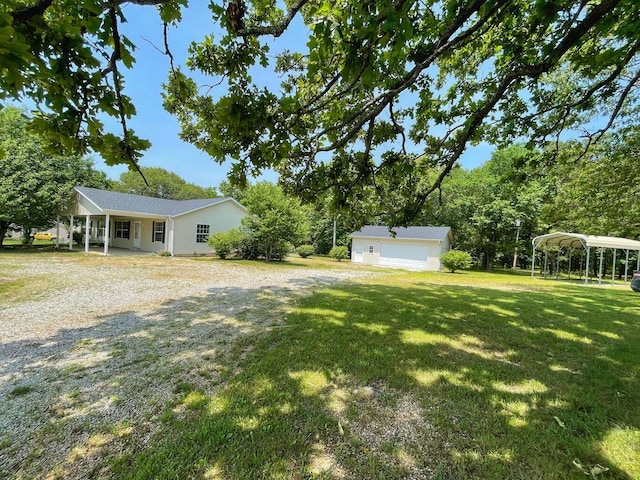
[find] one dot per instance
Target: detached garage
(413, 248)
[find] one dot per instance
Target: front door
(136, 234)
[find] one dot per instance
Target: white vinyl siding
(220, 218)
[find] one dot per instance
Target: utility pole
(334, 231)
(515, 254)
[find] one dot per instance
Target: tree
(161, 183)
(35, 186)
(596, 193)
(374, 82)
(483, 205)
(275, 221)
(237, 192)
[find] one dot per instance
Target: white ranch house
(136, 222)
(413, 248)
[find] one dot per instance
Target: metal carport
(573, 240)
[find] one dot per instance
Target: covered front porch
(103, 233)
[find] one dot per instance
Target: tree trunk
(487, 260)
(4, 226)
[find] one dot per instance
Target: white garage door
(403, 256)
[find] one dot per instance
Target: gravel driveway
(91, 357)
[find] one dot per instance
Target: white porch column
(107, 235)
(71, 232)
(58, 232)
(613, 268)
(87, 226)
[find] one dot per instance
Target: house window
(370, 248)
(202, 233)
(158, 232)
(121, 229)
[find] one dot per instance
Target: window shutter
(164, 231)
(153, 231)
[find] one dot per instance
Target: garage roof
(563, 239)
(414, 233)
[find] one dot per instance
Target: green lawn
(18, 243)
(427, 375)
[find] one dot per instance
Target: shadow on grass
(376, 381)
(363, 381)
(83, 394)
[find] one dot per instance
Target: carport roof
(563, 239)
(414, 233)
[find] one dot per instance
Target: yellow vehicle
(44, 236)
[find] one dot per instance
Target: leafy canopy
(160, 183)
(36, 186)
(275, 221)
(374, 93)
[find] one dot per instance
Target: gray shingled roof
(421, 233)
(126, 202)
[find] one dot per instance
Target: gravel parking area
(95, 350)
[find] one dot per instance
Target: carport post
(71, 232)
(546, 252)
(600, 269)
(613, 268)
(533, 260)
(586, 270)
(638, 264)
(626, 266)
(570, 248)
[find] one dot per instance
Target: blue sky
(144, 86)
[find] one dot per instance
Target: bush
(339, 253)
(455, 260)
(280, 250)
(305, 250)
(225, 243)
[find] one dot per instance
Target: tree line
(564, 186)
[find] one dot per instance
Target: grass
(442, 376)
(36, 243)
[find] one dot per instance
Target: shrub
(305, 250)
(455, 260)
(225, 243)
(279, 251)
(339, 253)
